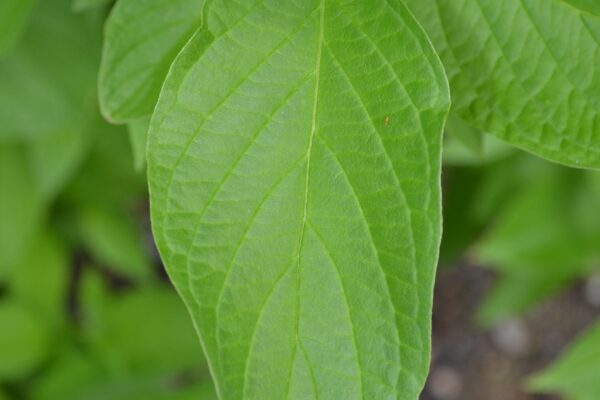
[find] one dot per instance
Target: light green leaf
(13, 18)
(23, 341)
(523, 70)
(115, 241)
(142, 37)
(138, 136)
(576, 374)
(294, 167)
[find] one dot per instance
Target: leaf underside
(294, 170)
(523, 70)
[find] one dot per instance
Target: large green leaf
(13, 18)
(523, 70)
(142, 37)
(577, 374)
(294, 167)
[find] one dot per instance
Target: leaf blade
(253, 177)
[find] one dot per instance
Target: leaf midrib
(307, 186)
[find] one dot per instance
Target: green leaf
(23, 341)
(109, 165)
(523, 70)
(142, 37)
(115, 241)
(138, 136)
(294, 168)
(83, 5)
(55, 158)
(546, 236)
(576, 374)
(590, 6)
(41, 280)
(125, 332)
(68, 377)
(36, 79)
(21, 206)
(465, 145)
(13, 18)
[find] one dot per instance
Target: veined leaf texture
(294, 169)
(523, 70)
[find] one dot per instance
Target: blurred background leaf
(85, 309)
(576, 374)
(13, 18)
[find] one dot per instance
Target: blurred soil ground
(472, 363)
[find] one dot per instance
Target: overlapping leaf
(523, 70)
(294, 165)
(142, 37)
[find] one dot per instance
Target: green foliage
(13, 18)
(294, 164)
(41, 279)
(82, 5)
(138, 136)
(590, 6)
(320, 210)
(576, 375)
(465, 145)
(113, 239)
(23, 342)
(543, 238)
(523, 70)
(70, 199)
